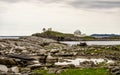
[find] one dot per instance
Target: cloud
(78, 3)
(94, 4)
(11, 1)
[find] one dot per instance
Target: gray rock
(52, 70)
(86, 64)
(115, 70)
(54, 50)
(15, 69)
(50, 59)
(59, 71)
(3, 68)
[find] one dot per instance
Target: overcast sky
(24, 17)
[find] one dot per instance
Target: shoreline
(36, 53)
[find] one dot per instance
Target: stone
(115, 70)
(54, 51)
(25, 70)
(59, 71)
(42, 59)
(82, 44)
(15, 69)
(87, 64)
(50, 59)
(3, 68)
(42, 51)
(36, 66)
(52, 71)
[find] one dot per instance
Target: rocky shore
(22, 56)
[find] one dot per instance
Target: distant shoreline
(17, 37)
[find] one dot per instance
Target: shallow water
(77, 61)
(9, 37)
(92, 42)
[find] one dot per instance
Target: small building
(49, 29)
(79, 34)
(44, 29)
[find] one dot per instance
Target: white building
(79, 34)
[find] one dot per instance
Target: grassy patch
(54, 35)
(61, 36)
(89, 71)
(86, 71)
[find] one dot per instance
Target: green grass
(118, 46)
(88, 71)
(53, 35)
(88, 38)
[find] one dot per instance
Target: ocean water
(9, 37)
(77, 61)
(92, 42)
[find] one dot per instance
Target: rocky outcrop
(87, 64)
(31, 53)
(8, 61)
(3, 68)
(51, 60)
(24, 45)
(115, 70)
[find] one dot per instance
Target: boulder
(25, 70)
(82, 44)
(8, 61)
(3, 68)
(54, 51)
(52, 70)
(59, 71)
(42, 59)
(115, 70)
(51, 60)
(14, 69)
(87, 64)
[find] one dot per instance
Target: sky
(25, 17)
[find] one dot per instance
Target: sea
(10, 37)
(73, 42)
(92, 42)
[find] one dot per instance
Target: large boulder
(15, 69)
(3, 68)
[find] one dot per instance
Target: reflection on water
(93, 42)
(77, 61)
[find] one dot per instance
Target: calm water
(9, 37)
(74, 42)
(93, 42)
(77, 61)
